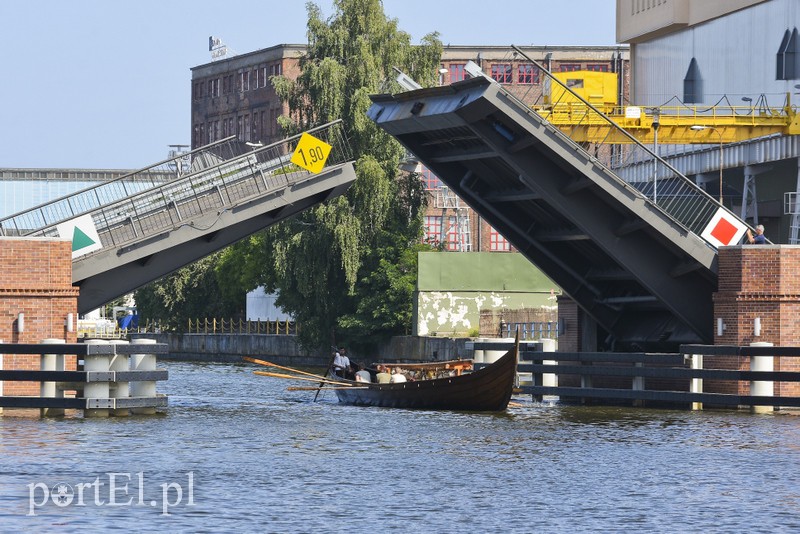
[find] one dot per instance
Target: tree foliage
(347, 269)
(191, 292)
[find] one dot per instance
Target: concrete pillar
(120, 390)
(638, 385)
(51, 362)
(549, 379)
(478, 354)
(762, 388)
(96, 390)
(143, 362)
(491, 356)
(696, 384)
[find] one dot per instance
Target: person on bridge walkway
(759, 238)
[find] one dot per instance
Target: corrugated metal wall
(736, 55)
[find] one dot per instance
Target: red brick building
(36, 296)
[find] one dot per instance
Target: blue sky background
(106, 84)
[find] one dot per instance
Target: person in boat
(383, 376)
(398, 377)
(362, 375)
(341, 364)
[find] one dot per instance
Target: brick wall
(763, 282)
(36, 280)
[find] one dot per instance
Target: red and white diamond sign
(724, 229)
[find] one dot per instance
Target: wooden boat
(487, 389)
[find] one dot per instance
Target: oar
(280, 375)
(312, 388)
(269, 364)
(330, 366)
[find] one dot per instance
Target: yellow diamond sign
(311, 153)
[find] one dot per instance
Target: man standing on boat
(341, 363)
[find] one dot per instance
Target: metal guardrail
(531, 330)
(216, 188)
(669, 190)
(240, 326)
(91, 198)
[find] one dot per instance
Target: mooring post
(143, 362)
(96, 390)
(119, 390)
(696, 384)
(638, 385)
(51, 362)
(549, 379)
(761, 388)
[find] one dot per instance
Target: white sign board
(83, 233)
(633, 112)
(724, 229)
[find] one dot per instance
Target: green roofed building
(469, 294)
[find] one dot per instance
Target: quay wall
(285, 350)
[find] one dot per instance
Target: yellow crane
(675, 124)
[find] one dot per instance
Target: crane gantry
(683, 124)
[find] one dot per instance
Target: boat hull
(488, 389)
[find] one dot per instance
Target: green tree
(343, 268)
(191, 292)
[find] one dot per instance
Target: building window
(433, 229)
(240, 127)
(527, 74)
(498, 243)
(456, 72)
(430, 180)
(273, 122)
(452, 234)
(264, 125)
(501, 72)
(569, 67)
(693, 84)
(213, 87)
(597, 67)
(276, 69)
(788, 56)
(244, 81)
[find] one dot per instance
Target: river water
(238, 453)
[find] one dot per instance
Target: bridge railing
(88, 199)
(240, 326)
(214, 189)
(672, 192)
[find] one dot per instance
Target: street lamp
(698, 128)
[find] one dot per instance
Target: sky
(107, 84)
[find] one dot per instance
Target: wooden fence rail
(680, 376)
(116, 379)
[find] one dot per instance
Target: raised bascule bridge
(638, 257)
(139, 227)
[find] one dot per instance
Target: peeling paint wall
(453, 288)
